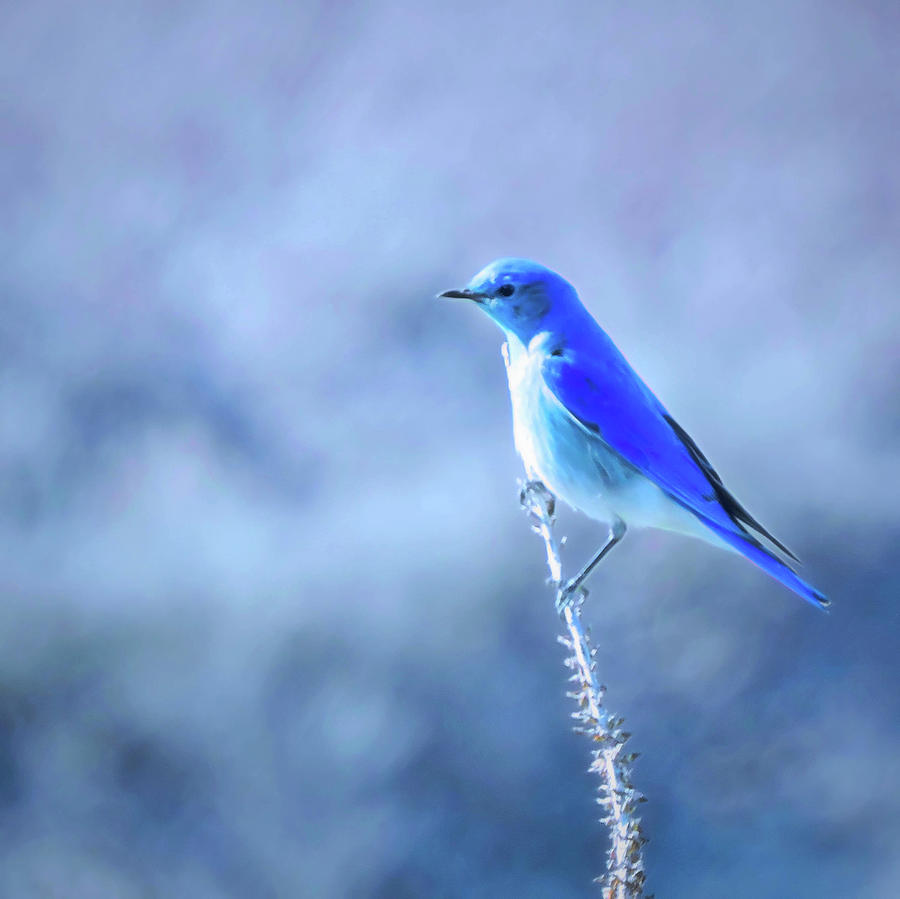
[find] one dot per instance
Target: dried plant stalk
(624, 878)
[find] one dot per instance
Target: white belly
(576, 465)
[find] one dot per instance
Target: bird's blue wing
(599, 388)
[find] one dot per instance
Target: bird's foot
(537, 500)
(568, 595)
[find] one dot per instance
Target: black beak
(464, 295)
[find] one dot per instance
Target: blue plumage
(588, 427)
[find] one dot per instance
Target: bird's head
(521, 296)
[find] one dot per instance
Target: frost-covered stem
(624, 878)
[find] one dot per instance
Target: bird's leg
(567, 593)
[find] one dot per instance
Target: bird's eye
(506, 290)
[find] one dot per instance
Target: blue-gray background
(272, 623)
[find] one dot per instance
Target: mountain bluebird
(588, 427)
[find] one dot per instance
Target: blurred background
(272, 622)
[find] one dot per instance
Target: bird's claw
(537, 500)
(570, 594)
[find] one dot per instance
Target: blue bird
(588, 427)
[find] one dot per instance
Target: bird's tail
(771, 564)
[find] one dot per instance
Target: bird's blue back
(595, 383)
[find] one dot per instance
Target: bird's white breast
(523, 368)
(554, 447)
